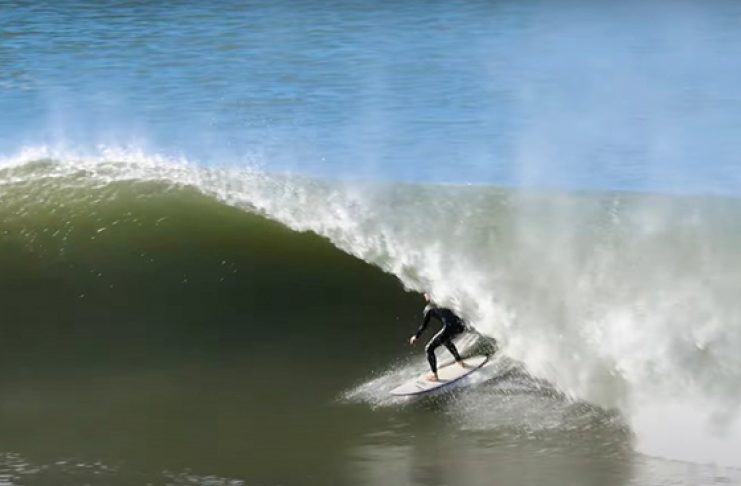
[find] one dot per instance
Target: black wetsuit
(452, 326)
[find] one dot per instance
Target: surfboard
(448, 374)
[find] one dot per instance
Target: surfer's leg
(432, 360)
(453, 350)
(448, 336)
(434, 343)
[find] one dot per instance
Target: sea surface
(217, 220)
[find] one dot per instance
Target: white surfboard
(448, 374)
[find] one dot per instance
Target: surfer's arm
(425, 322)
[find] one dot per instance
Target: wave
(623, 300)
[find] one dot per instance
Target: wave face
(136, 250)
(624, 300)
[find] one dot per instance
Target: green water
(152, 335)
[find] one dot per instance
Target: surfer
(452, 326)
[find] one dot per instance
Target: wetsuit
(452, 326)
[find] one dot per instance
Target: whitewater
(627, 301)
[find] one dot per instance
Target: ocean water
(216, 221)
